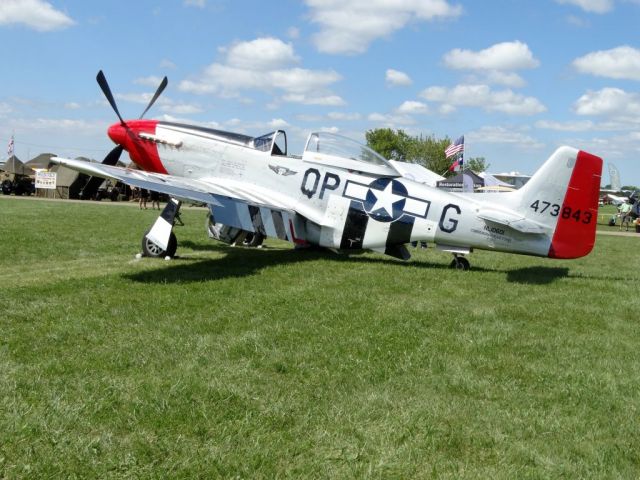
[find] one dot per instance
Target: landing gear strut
(160, 241)
(459, 262)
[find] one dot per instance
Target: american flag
(10, 147)
(455, 148)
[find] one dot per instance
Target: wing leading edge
(234, 204)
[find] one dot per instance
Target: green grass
(273, 363)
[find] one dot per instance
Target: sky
(517, 78)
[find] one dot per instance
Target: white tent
(416, 172)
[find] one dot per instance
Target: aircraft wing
(210, 191)
(174, 186)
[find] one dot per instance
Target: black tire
(150, 249)
(256, 240)
(460, 263)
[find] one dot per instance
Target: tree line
(427, 151)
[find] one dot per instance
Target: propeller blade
(93, 183)
(102, 81)
(161, 87)
(113, 156)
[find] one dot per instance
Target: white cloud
(504, 78)
(593, 6)
(411, 107)
(581, 126)
(293, 32)
(481, 96)
(395, 78)
(391, 120)
(503, 56)
(195, 3)
(171, 118)
(330, 129)
(346, 117)
(36, 14)
(141, 98)
(577, 21)
(265, 53)
(181, 108)
(621, 62)
(349, 26)
(310, 99)
(610, 125)
(495, 64)
(612, 102)
(166, 63)
(268, 65)
(151, 81)
(278, 123)
(502, 135)
(58, 125)
(164, 103)
(5, 109)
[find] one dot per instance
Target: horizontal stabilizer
(512, 220)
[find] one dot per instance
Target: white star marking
(385, 199)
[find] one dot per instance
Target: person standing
(144, 194)
(625, 213)
(155, 199)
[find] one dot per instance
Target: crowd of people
(144, 195)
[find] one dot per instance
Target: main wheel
(150, 249)
(460, 263)
(256, 240)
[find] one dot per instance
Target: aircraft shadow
(537, 275)
(242, 262)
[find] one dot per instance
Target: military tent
(14, 166)
(42, 161)
(457, 182)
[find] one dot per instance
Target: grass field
(273, 363)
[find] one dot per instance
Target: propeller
(161, 87)
(104, 86)
(91, 187)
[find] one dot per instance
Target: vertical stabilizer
(563, 196)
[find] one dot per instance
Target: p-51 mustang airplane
(342, 195)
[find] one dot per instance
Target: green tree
(477, 164)
(397, 145)
(390, 144)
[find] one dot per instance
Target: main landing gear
(160, 241)
(150, 249)
(459, 262)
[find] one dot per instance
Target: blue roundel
(385, 199)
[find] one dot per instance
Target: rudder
(575, 233)
(563, 196)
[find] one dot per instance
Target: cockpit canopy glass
(264, 142)
(339, 146)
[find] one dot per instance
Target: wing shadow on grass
(241, 262)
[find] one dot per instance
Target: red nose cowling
(143, 152)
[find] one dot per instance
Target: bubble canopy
(343, 152)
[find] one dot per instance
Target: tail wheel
(150, 249)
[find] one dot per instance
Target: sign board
(46, 180)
